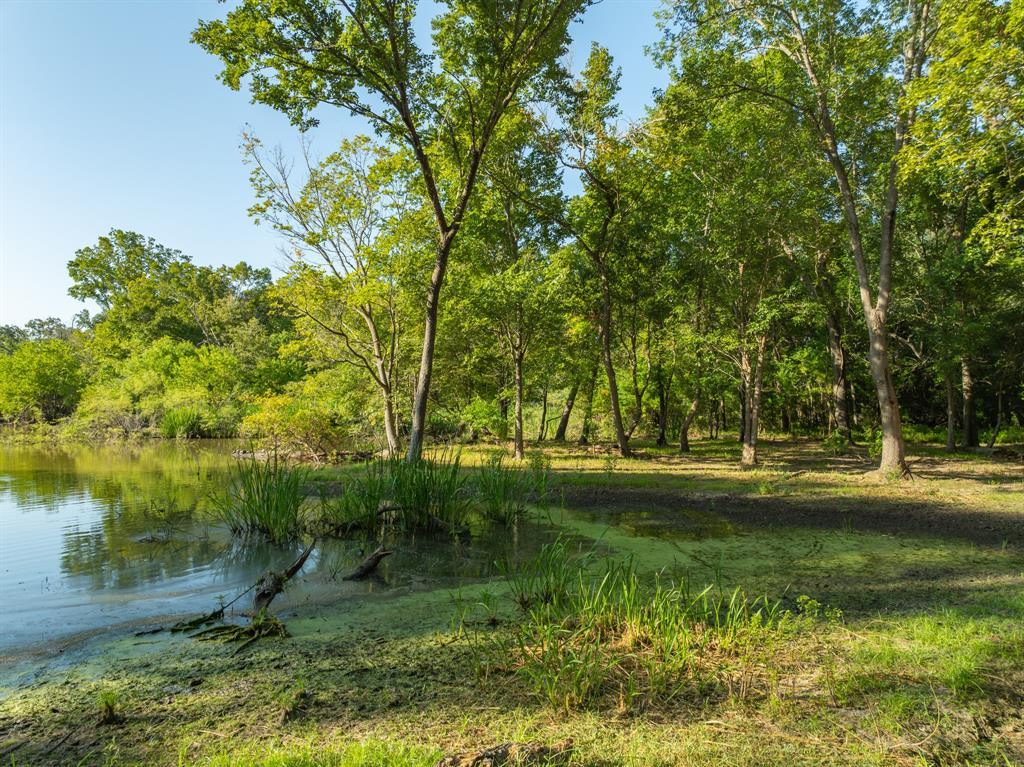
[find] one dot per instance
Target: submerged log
(272, 584)
(368, 565)
(532, 754)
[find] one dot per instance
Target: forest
(554, 437)
(815, 231)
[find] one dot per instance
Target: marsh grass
(599, 637)
(501, 491)
(390, 492)
(181, 423)
(264, 498)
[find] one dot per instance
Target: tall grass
(263, 497)
(181, 423)
(600, 637)
(501, 491)
(390, 492)
(429, 493)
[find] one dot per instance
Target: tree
(444, 105)
(41, 380)
(829, 68)
(103, 271)
(352, 229)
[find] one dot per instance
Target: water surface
(98, 537)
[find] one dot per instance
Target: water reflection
(96, 536)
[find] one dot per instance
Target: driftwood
(272, 584)
(532, 754)
(368, 565)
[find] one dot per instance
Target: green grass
(603, 637)
(368, 753)
(263, 498)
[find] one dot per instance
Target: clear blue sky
(110, 118)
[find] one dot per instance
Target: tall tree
(843, 71)
(444, 104)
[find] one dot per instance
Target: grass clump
(502, 491)
(429, 494)
(108, 702)
(608, 640)
(181, 423)
(263, 497)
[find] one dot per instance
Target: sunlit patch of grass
(602, 638)
(367, 753)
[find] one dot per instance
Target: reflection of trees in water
(151, 506)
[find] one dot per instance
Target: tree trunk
(893, 457)
(609, 368)
(563, 422)
(664, 392)
(999, 420)
(520, 453)
(970, 419)
(588, 411)
(743, 401)
(419, 406)
(543, 431)
(391, 426)
(840, 411)
(950, 413)
(753, 374)
(684, 430)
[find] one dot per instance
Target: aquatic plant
(181, 423)
(358, 506)
(428, 493)
(263, 497)
(501, 491)
(546, 578)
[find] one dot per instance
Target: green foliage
(181, 423)
(264, 498)
(40, 381)
(606, 639)
(429, 493)
(501, 491)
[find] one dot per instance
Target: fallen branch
(368, 565)
(272, 584)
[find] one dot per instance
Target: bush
(40, 381)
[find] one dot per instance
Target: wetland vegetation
(692, 440)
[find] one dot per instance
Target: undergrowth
(594, 635)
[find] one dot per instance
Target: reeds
(263, 497)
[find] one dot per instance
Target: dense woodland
(816, 230)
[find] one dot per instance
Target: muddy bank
(893, 516)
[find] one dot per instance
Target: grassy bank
(875, 624)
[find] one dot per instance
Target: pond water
(96, 537)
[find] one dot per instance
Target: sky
(111, 118)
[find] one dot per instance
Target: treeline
(817, 229)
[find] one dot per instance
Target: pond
(98, 537)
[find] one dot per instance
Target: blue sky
(111, 118)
